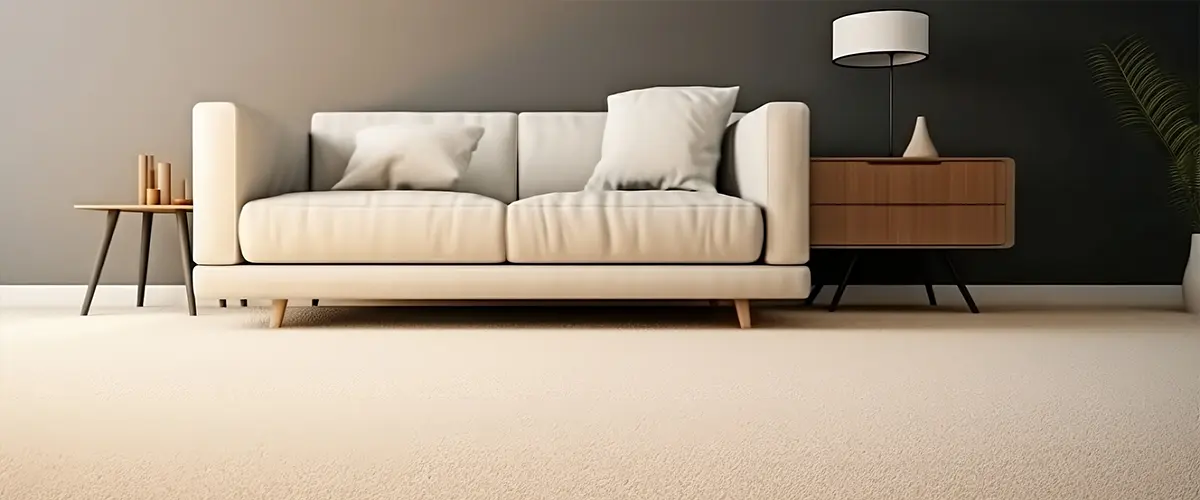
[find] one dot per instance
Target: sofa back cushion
(558, 151)
(493, 170)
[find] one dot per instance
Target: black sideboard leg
(962, 288)
(812, 294)
(837, 296)
(223, 303)
(927, 272)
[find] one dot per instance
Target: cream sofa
(519, 229)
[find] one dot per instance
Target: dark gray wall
(87, 85)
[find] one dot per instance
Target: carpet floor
(598, 403)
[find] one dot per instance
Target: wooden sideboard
(935, 204)
(903, 202)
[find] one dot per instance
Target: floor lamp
(881, 39)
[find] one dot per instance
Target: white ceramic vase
(1191, 278)
(921, 145)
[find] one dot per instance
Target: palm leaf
(1155, 102)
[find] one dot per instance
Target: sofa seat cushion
(373, 227)
(665, 227)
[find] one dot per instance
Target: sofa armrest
(234, 161)
(765, 160)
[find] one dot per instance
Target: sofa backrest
(558, 151)
(493, 169)
(519, 156)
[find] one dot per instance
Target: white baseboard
(32, 296)
(1127, 296)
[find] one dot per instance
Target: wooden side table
(148, 212)
(936, 205)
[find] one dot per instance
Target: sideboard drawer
(949, 182)
(909, 225)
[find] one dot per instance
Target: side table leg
(185, 250)
(108, 235)
(962, 287)
(837, 296)
(144, 257)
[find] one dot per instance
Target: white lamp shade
(881, 38)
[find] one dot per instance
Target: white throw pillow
(663, 138)
(410, 157)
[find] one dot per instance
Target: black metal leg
(316, 301)
(927, 272)
(223, 303)
(891, 100)
(245, 302)
(185, 251)
(144, 257)
(962, 288)
(108, 235)
(812, 294)
(837, 296)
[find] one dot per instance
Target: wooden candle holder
(164, 182)
(184, 200)
(151, 178)
(143, 178)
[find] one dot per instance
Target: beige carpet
(609, 403)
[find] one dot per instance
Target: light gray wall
(89, 84)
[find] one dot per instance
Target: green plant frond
(1182, 134)
(1149, 99)
(1131, 76)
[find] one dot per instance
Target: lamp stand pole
(891, 97)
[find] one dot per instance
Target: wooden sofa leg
(743, 311)
(278, 307)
